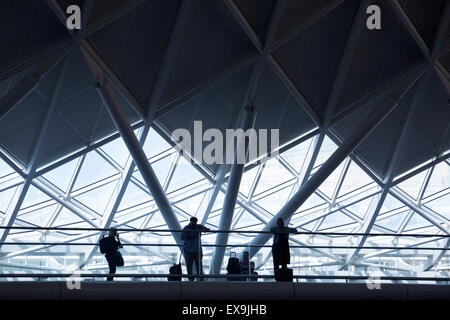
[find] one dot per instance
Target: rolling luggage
(175, 271)
(284, 275)
(233, 266)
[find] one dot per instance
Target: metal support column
(120, 120)
(229, 203)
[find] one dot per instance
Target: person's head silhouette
(113, 232)
(280, 222)
(193, 221)
(245, 256)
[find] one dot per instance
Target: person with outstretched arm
(192, 248)
(280, 247)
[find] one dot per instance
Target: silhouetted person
(192, 248)
(247, 267)
(280, 247)
(110, 246)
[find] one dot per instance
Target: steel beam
(229, 203)
(344, 65)
(306, 23)
(160, 83)
(247, 123)
(120, 120)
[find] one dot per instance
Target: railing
(218, 276)
(443, 277)
(416, 235)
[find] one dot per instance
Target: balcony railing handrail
(416, 235)
(218, 276)
(412, 247)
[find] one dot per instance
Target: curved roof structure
(311, 68)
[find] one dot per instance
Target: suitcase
(284, 275)
(175, 270)
(233, 266)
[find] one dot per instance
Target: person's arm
(119, 244)
(206, 229)
(292, 230)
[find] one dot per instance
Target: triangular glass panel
(309, 226)
(98, 199)
(413, 185)
(6, 197)
(392, 222)
(158, 222)
(185, 174)
(66, 217)
(133, 196)
(136, 223)
(214, 219)
(62, 175)
(94, 169)
(390, 203)
(160, 167)
(219, 201)
(38, 217)
(246, 221)
(34, 196)
(360, 208)
(247, 180)
(313, 201)
(191, 205)
(296, 156)
(118, 151)
(326, 150)
(274, 202)
(441, 206)
(272, 175)
(155, 144)
(440, 179)
(416, 222)
(355, 178)
(5, 169)
(335, 219)
(329, 185)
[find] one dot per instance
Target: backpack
(102, 245)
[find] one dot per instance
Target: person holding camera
(192, 247)
(110, 247)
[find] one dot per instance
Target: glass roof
(83, 193)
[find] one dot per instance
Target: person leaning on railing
(280, 247)
(192, 248)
